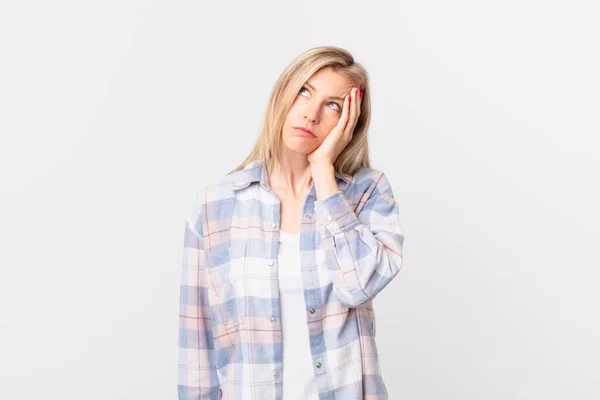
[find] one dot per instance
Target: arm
(197, 374)
(364, 251)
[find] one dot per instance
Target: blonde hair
(283, 94)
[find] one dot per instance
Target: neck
(289, 178)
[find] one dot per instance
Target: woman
(285, 254)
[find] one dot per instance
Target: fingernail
(361, 94)
(349, 97)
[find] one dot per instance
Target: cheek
(324, 136)
(330, 123)
(294, 113)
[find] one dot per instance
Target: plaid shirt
(230, 337)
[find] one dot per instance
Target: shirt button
(312, 310)
(271, 262)
(273, 320)
(329, 218)
(308, 216)
(273, 224)
(276, 374)
(319, 365)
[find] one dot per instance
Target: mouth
(304, 131)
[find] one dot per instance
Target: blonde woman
(285, 254)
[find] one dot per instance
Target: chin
(298, 147)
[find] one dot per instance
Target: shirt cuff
(335, 213)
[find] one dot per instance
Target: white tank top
(298, 378)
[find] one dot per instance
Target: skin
(310, 159)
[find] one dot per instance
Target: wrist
(321, 166)
(324, 180)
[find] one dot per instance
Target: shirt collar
(256, 171)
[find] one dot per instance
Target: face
(318, 107)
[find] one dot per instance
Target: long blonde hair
(268, 145)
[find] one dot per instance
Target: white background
(114, 114)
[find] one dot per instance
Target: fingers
(355, 103)
(350, 113)
(343, 122)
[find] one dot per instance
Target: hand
(341, 134)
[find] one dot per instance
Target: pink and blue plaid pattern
(230, 338)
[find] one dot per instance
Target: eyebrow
(331, 97)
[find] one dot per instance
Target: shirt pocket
(226, 289)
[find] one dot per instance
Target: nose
(311, 112)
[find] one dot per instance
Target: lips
(306, 130)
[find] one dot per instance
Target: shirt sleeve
(363, 249)
(197, 374)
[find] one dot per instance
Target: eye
(336, 104)
(332, 102)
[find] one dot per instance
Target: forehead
(330, 82)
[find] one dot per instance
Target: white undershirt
(298, 377)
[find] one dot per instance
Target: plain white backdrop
(114, 114)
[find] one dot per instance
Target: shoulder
(372, 181)
(365, 173)
(369, 176)
(221, 188)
